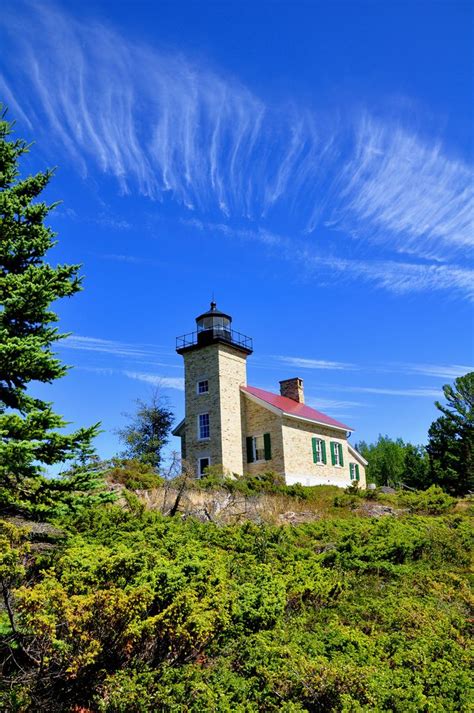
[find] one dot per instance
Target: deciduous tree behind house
(148, 431)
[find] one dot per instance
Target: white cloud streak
(166, 382)
(303, 363)
(112, 347)
(428, 393)
(395, 276)
(210, 143)
(334, 405)
(444, 371)
(399, 184)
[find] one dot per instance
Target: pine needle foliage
(31, 434)
(451, 438)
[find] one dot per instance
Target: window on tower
(204, 430)
(203, 386)
(203, 464)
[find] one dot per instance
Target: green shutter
(315, 453)
(323, 452)
(341, 459)
(333, 452)
(357, 472)
(249, 449)
(267, 446)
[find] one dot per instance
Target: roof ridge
(294, 409)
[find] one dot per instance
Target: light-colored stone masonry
(198, 365)
(233, 375)
(225, 370)
(298, 454)
(258, 420)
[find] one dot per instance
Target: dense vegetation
(134, 611)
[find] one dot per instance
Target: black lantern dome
(211, 327)
(213, 319)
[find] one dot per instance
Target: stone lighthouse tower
(214, 369)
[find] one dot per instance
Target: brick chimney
(293, 389)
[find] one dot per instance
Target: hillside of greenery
(125, 610)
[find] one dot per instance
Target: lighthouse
(215, 369)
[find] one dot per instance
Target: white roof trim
(319, 423)
(279, 412)
(178, 428)
(356, 454)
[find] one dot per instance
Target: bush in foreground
(139, 612)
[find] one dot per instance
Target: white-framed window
(259, 448)
(354, 471)
(204, 429)
(203, 463)
(336, 454)
(319, 450)
(202, 386)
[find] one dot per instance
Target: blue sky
(308, 163)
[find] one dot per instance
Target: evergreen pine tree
(30, 431)
(451, 438)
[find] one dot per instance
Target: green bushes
(433, 501)
(133, 474)
(139, 612)
(244, 484)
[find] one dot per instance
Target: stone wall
(257, 421)
(202, 364)
(298, 455)
(232, 375)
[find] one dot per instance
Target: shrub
(433, 501)
(134, 475)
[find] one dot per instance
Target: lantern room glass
(215, 323)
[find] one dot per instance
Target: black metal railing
(207, 336)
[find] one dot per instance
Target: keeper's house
(249, 430)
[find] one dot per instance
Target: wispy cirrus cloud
(113, 348)
(397, 183)
(210, 143)
(168, 382)
(334, 405)
(317, 363)
(386, 391)
(395, 275)
(441, 371)
(444, 371)
(398, 277)
(158, 380)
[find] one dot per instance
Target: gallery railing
(207, 336)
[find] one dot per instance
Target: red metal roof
(294, 408)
